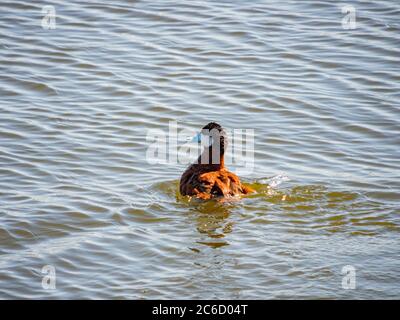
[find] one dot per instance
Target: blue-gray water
(77, 193)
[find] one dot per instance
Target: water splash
(274, 181)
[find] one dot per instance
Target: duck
(207, 177)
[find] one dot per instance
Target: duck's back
(206, 184)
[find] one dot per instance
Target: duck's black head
(213, 125)
(217, 133)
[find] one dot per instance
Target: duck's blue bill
(197, 138)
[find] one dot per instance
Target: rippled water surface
(76, 190)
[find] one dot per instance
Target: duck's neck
(212, 160)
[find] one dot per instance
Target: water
(77, 193)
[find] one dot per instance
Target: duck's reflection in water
(212, 222)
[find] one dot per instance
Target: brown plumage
(208, 178)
